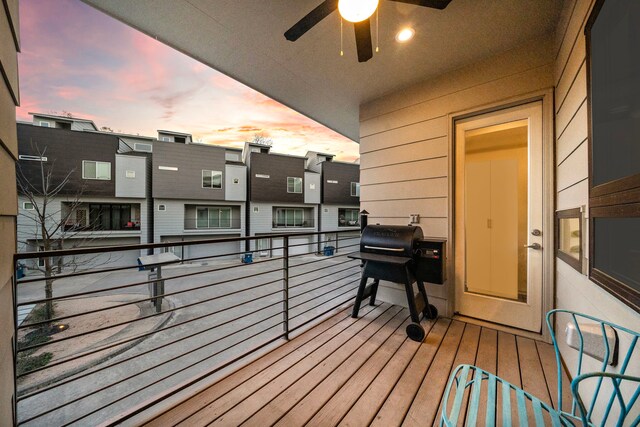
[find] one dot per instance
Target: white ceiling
(244, 39)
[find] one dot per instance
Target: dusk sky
(79, 60)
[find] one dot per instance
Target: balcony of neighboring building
(207, 218)
(101, 218)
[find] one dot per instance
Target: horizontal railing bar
(317, 260)
(124, 341)
(324, 284)
(208, 285)
(158, 380)
(323, 277)
(92, 250)
(130, 285)
(145, 317)
(89, 272)
(320, 269)
(108, 386)
(135, 356)
(212, 256)
(328, 291)
(318, 252)
(322, 241)
(330, 299)
(306, 322)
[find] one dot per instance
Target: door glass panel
(203, 218)
(496, 210)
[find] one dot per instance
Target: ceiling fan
(356, 11)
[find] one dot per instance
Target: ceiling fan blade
(363, 40)
(312, 18)
(435, 4)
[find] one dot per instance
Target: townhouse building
(92, 192)
(340, 195)
(284, 196)
(199, 192)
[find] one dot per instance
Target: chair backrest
(601, 390)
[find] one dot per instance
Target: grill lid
(393, 240)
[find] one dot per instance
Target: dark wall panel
(186, 182)
(345, 174)
(274, 188)
(65, 150)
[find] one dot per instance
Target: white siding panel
(431, 227)
(431, 208)
(419, 170)
(418, 189)
(411, 152)
(574, 135)
(427, 129)
(576, 61)
(577, 95)
(575, 29)
(574, 169)
(573, 197)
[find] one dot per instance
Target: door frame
(548, 195)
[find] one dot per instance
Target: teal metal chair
(603, 394)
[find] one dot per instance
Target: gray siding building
(199, 193)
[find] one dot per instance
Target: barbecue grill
(400, 254)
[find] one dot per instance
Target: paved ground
(246, 300)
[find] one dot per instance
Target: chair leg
(359, 296)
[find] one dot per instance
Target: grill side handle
(378, 248)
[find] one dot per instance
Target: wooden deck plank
(397, 404)
(424, 409)
(367, 405)
(466, 355)
(509, 370)
(230, 399)
(532, 374)
(334, 379)
(357, 372)
(549, 368)
(368, 325)
(314, 336)
(342, 401)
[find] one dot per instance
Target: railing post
(285, 287)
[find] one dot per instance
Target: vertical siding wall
(9, 98)
(574, 290)
(405, 140)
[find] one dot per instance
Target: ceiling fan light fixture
(357, 10)
(405, 34)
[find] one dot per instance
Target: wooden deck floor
(357, 372)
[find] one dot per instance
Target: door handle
(536, 246)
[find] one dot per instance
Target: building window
(130, 174)
(162, 208)
(111, 217)
(180, 139)
(211, 179)
(256, 209)
(96, 170)
(166, 139)
(213, 217)
(140, 146)
(294, 185)
(348, 218)
(355, 189)
(569, 237)
(28, 206)
(232, 157)
(614, 171)
(288, 217)
(32, 158)
(45, 124)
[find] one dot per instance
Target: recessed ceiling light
(405, 34)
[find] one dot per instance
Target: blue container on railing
(328, 250)
(20, 271)
(247, 258)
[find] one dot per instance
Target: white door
(499, 216)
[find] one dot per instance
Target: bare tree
(260, 138)
(53, 221)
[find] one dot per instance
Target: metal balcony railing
(307, 223)
(102, 340)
